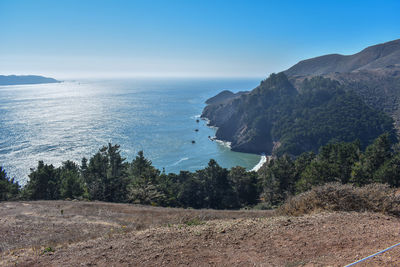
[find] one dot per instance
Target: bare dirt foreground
(105, 234)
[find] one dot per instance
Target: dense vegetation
(321, 112)
(9, 189)
(106, 176)
(324, 112)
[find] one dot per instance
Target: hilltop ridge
(373, 57)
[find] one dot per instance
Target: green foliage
(245, 185)
(277, 179)
(333, 164)
(107, 177)
(219, 193)
(44, 183)
(9, 189)
(192, 193)
(371, 161)
(143, 187)
(48, 249)
(321, 112)
(326, 113)
(194, 222)
(72, 185)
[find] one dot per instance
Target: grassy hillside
(104, 234)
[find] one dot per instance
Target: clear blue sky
(186, 37)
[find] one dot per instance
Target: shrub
(194, 222)
(47, 250)
(338, 197)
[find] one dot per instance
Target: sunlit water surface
(73, 119)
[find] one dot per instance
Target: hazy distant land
(25, 79)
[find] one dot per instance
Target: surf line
(262, 161)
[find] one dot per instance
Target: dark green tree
(106, 175)
(9, 189)
(192, 193)
(389, 172)
(373, 158)
(143, 182)
(334, 163)
(44, 183)
(277, 178)
(245, 185)
(218, 190)
(72, 185)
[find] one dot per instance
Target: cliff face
(321, 111)
(373, 74)
(238, 119)
(223, 97)
(320, 100)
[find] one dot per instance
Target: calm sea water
(73, 119)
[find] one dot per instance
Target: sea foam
(260, 163)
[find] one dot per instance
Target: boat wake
(179, 161)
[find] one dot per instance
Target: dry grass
(337, 197)
(41, 224)
(324, 239)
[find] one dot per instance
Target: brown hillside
(373, 57)
(326, 239)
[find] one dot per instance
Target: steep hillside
(373, 74)
(223, 96)
(275, 117)
(299, 115)
(373, 57)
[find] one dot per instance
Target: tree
(9, 189)
(334, 163)
(389, 172)
(143, 182)
(72, 185)
(44, 183)
(245, 185)
(192, 193)
(106, 175)
(374, 157)
(218, 191)
(277, 179)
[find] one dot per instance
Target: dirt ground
(105, 234)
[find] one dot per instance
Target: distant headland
(25, 79)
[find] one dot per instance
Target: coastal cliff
(326, 99)
(25, 79)
(277, 118)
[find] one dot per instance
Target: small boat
(193, 141)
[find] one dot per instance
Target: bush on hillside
(343, 197)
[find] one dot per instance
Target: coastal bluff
(25, 79)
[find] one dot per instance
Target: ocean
(73, 119)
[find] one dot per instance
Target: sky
(188, 38)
